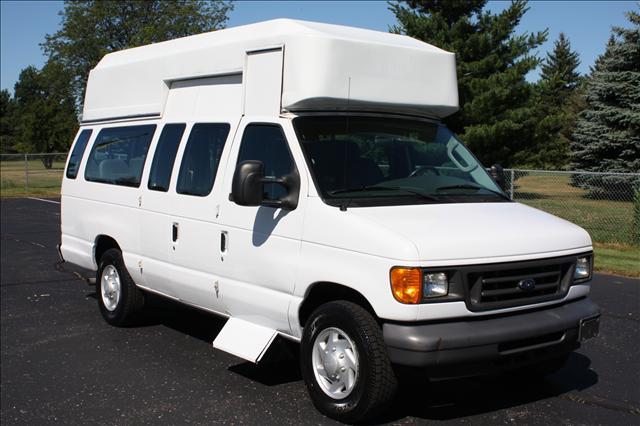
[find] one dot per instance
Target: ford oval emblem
(527, 285)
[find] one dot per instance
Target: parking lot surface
(60, 362)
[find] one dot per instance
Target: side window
(77, 153)
(118, 155)
(165, 156)
(201, 158)
(267, 143)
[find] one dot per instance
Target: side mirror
(497, 173)
(247, 187)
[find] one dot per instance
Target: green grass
(42, 181)
(618, 260)
(607, 221)
(610, 223)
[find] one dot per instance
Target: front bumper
(479, 345)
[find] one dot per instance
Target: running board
(244, 339)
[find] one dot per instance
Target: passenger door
(260, 246)
(155, 227)
(191, 230)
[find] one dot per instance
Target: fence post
(26, 172)
(511, 184)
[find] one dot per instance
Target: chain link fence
(31, 174)
(605, 204)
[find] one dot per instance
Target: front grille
(504, 285)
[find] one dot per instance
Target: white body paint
(267, 73)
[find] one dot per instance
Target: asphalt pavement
(61, 363)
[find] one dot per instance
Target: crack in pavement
(19, 283)
(17, 240)
(602, 403)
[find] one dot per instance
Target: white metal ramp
(245, 339)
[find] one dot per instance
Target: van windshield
(372, 160)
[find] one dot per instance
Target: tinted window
(385, 161)
(268, 144)
(165, 156)
(118, 155)
(201, 158)
(77, 153)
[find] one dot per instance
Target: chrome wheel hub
(110, 287)
(335, 362)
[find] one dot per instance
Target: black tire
(375, 384)
(131, 298)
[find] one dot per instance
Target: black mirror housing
(497, 173)
(247, 187)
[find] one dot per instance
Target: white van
(295, 177)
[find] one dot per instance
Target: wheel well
(104, 243)
(324, 292)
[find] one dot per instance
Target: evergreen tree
(556, 108)
(45, 116)
(607, 135)
(559, 69)
(495, 118)
(93, 28)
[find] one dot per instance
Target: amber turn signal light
(406, 284)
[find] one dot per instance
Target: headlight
(435, 285)
(583, 269)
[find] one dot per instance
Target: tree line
(562, 121)
(42, 115)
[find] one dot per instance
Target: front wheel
(345, 363)
(118, 296)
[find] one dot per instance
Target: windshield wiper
(384, 188)
(472, 186)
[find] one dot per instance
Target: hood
(446, 232)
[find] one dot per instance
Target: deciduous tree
(6, 121)
(91, 29)
(44, 117)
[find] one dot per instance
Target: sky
(23, 24)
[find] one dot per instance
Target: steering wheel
(422, 170)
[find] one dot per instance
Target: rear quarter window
(118, 155)
(78, 151)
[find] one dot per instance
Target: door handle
(174, 232)
(224, 241)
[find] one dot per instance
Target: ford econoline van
(296, 178)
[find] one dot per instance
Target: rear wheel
(118, 296)
(345, 364)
